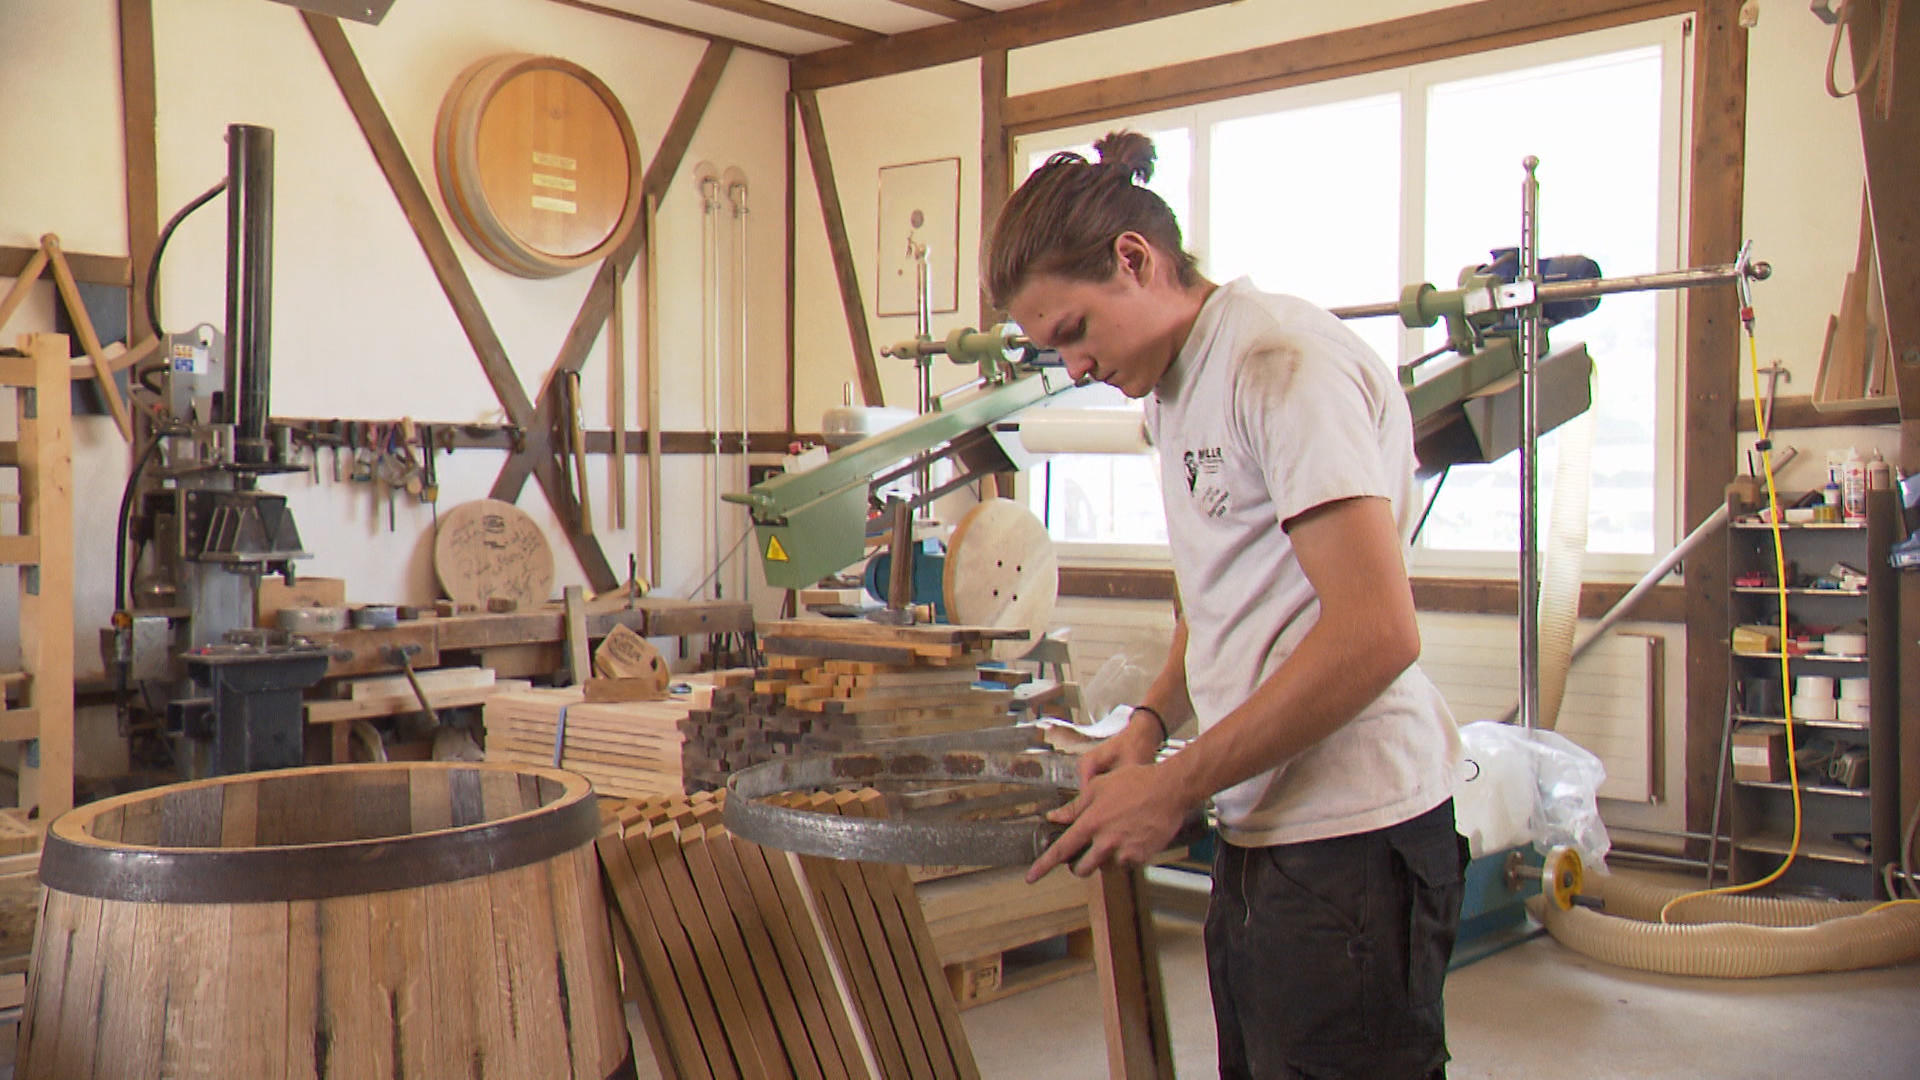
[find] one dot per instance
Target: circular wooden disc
(1002, 572)
(538, 164)
(488, 548)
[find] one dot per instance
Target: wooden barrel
(537, 163)
(403, 920)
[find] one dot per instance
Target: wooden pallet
(1026, 967)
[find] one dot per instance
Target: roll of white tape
(1813, 686)
(1844, 644)
(1855, 712)
(1083, 431)
(1859, 688)
(1805, 708)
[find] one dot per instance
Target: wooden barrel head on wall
(537, 163)
(419, 919)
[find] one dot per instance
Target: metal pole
(1529, 452)
(738, 193)
(923, 367)
(249, 291)
(1580, 290)
(710, 330)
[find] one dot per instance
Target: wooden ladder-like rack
(41, 547)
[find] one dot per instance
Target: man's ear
(1133, 256)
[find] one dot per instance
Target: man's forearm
(1167, 694)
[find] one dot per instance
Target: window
(1342, 191)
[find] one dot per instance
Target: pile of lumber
(628, 749)
(755, 962)
(832, 685)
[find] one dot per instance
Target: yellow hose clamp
(1562, 876)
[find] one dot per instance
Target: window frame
(1673, 34)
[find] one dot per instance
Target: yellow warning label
(776, 553)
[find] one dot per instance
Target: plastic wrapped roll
(1083, 431)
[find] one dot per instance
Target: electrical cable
(121, 572)
(695, 591)
(160, 248)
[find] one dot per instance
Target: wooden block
(682, 1055)
(1126, 962)
(644, 688)
(687, 963)
(460, 678)
(623, 654)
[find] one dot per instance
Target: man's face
(1118, 331)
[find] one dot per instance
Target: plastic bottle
(1879, 474)
(1853, 486)
(1830, 496)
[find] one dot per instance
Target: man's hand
(1136, 745)
(1124, 816)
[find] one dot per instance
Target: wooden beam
(947, 9)
(92, 269)
(1448, 32)
(671, 28)
(686, 120)
(1049, 20)
(792, 257)
(138, 123)
(851, 302)
(1124, 583)
(1495, 596)
(996, 172)
(1892, 146)
(392, 158)
(1799, 411)
(793, 20)
(1718, 170)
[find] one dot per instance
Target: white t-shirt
(1272, 408)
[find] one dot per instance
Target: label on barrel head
(557, 183)
(555, 161)
(558, 206)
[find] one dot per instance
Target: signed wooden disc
(488, 548)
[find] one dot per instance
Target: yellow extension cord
(1786, 680)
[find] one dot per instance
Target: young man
(1287, 471)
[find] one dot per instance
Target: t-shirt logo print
(1206, 463)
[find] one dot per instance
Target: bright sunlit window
(1341, 192)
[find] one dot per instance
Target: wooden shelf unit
(1761, 812)
(41, 549)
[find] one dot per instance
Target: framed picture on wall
(919, 212)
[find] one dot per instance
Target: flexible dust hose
(1771, 937)
(1566, 558)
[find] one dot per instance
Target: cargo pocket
(1435, 861)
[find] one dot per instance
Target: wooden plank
(657, 24)
(363, 652)
(617, 395)
(667, 866)
(1799, 411)
(1491, 596)
(387, 150)
(1048, 20)
(89, 340)
(387, 686)
(949, 9)
(824, 886)
(1892, 146)
(793, 19)
(681, 1057)
(1452, 31)
(92, 269)
(812, 932)
(851, 303)
(1711, 387)
(46, 591)
(340, 712)
(996, 162)
(579, 666)
(24, 278)
(1126, 963)
(138, 125)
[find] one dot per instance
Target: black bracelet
(1157, 718)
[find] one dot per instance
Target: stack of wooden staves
(832, 685)
(745, 961)
(628, 749)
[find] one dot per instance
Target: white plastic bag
(1120, 681)
(1541, 778)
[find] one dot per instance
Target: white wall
(361, 326)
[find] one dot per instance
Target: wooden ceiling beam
(793, 20)
(947, 9)
(1048, 20)
(672, 28)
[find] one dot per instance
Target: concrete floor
(1533, 1010)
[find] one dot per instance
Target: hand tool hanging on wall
(578, 438)
(617, 395)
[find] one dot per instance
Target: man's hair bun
(1127, 150)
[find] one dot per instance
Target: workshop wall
(361, 327)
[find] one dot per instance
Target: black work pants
(1327, 958)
